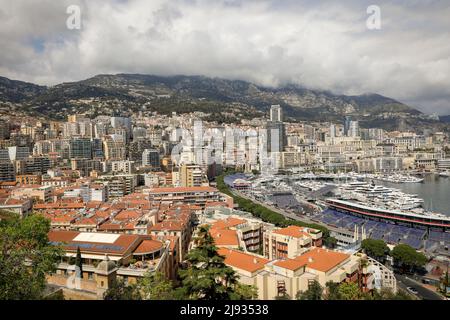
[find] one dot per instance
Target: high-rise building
(276, 136)
(276, 113)
(85, 166)
(347, 121)
(18, 153)
(150, 158)
(191, 175)
(332, 131)
(80, 148)
(7, 172)
(276, 133)
(114, 150)
(122, 122)
(33, 165)
(97, 149)
(137, 147)
(353, 130)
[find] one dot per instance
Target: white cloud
(268, 42)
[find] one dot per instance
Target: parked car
(412, 290)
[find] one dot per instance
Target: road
(282, 212)
(422, 292)
(287, 214)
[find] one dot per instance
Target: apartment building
(7, 171)
(106, 257)
(29, 179)
(118, 185)
(289, 242)
(193, 195)
(189, 175)
(21, 206)
(37, 193)
(239, 233)
(274, 278)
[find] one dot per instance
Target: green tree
(207, 277)
(407, 258)
(155, 286)
(284, 296)
(314, 292)
(388, 294)
(332, 291)
(119, 290)
(330, 242)
(376, 249)
(78, 261)
(244, 292)
(26, 256)
(349, 291)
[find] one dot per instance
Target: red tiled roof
(227, 223)
(148, 246)
(224, 237)
(182, 189)
(322, 259)
(290, 264)
(120, 246)
(242, 260)
(293, 231)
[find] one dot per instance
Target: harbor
(360, 205)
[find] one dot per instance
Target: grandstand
(380, 230)
(286, 200)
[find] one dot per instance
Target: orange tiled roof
(128, 214)
(225, 237)
(290, 264)
(227, 223)
(56, 219)
(215, 204)
(173, 241)
(120, 246)
(242, 260)
(148, 246)
(87, 221)
(182, 189)
(167, 225)
(59, 205)
(293, 231)
(322, 259)
(10, 201)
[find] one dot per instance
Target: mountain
(228, 100)
(18, 91)
(445, 118)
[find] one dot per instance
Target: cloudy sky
(318, 44)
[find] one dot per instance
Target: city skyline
(303, 43)
(224, 150)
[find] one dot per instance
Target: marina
(367, 205)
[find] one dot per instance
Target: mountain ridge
(125, 92)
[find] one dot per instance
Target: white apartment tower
(276, 113)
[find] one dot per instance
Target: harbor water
(435, 191)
